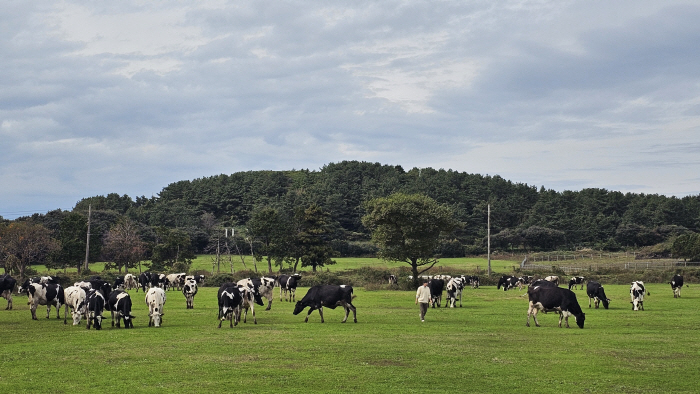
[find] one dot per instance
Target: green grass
(482, 347)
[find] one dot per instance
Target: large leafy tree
(23, 244)
(123, 246)
(172, 251)
(72, 235)
(313, 238)
(407, 228)
(272, 234)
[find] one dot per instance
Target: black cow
(101, 285)
(44, 294)
(509, 282)
(329, 296)
(542, 282)
(288, 283)
(230, 302)
(7, 286)
(576, 281)
(119, 303)
(436, 287)
(95, 307)
(144, 281)
(547, 299)
(118, 283)
(595, 291)
(677, 285)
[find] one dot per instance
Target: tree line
(306, 218)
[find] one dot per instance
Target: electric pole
(87, 244)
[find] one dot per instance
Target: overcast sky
(129, 96)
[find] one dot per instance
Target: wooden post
(87, 244)
(488, 231)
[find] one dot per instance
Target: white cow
(75, 300)
(176, 280)
(553, 278)
(262, 286)
(155, 299)
(189, 290)
(130, 282)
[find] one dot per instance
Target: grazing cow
(7, 286)
(262, 286)
(474, 281)
(553, 278)
(144, 281)
(230, 301)
(288, 284)
(454, 291)
(189, 290)
(250, 298)
(677, 285)
(329, 296)
(393, 280)
(637, 294)
(542, 282)
(547, 299)
(54, 280)
(130, 282)
(596, 292)
(159, 280)
(509, 282)
(24, 287)
(119, 303)
(175, 281)
(75, 300)
(436, 287)
(44, 294)
(155, 299)
(526, 279)
(95, 307)
(576, 281)
(101, 285)
(118, 283)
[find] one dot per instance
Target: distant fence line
(579, 256)
(631, 265)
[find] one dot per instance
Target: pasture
(482, 347)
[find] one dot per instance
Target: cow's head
(298, 307)
(580, 319)
(156, 316)
(606, 302)
(97, 322)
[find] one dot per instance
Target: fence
(630, 265)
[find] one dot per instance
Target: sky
(127, 97)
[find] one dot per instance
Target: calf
(637, 294)
(596, 292)
(576, 281)
(95, 307)
(553, 278)
(288, 284)
(44, 294)
(7, 286)
(75, 300)
(130, 282)
(677, 285)
(189, 290)
(436, 287)
(155, 299)
(119, 303)
(454, 291)
(547, 299)
(230, 301)
(329, 296)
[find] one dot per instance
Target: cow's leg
(58, 310)
(252, 310)
(293, 294)
(320, 312)
(311, 309)
(112, 318)
(347, 312)
(354, 311)
(48, 309)
(269, 304)
(33, 310)
(65, 313)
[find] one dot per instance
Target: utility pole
(87, 244)
(488, 236)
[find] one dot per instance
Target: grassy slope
(482, 347)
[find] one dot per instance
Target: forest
(244, 212)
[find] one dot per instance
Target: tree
(172, 250)
(407, 228)
(23, 244)
(313, 238)
(72, 234)
(687, 246)
(123, 246)
(272, 233)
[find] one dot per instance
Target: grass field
(481, 347)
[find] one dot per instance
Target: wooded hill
(522, 217)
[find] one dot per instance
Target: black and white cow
(230, 301)
(263, 288)
(596, 292)
(101, 285)
(118, 283)
(119, 303)
(637, 291)
(250, 298)
(393, 280)
(288, 284)
(44, 294)
(176, 281)
(553, 278)
(130, 282)
(436, 287)
(454, 291)
(576, 281)
(197, 278)
(474, 281)
(95, 308)
(509, 282)
(542, 282)
(329, 296)
(144, 281)
(548, 299)
(75, 300)
(159, 280)
(677, 285)
(7, 286)
(527, 279)
(54, 280)
(155, 300)
(189, 290)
